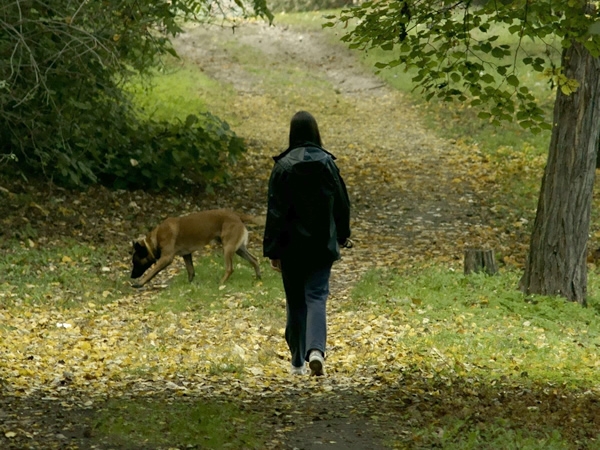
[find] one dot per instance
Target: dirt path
(410, 200)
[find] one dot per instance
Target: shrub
(63, 111)
(162, 154)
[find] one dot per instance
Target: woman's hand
(347, 244)
(276, 265)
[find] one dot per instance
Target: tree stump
(477, 260)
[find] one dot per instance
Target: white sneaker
(316, 363)
(298, 370)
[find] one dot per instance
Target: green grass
(310, 20)
(205, 293)
(491, 359)
(176, 91)
(66, 278)
(65, 275)
(69, 274)
(459, 335)
(474, 333)
(503, 434)
(154, 423)
(483, 326)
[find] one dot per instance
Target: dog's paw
(136, 284)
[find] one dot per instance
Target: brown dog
(184, 235)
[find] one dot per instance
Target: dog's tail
(256, 220)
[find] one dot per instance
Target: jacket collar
(305, 144)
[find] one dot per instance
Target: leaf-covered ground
(417, 199)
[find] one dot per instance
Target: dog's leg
(244, 253)
(159, 265)
(189, 266)
(228, 252)
(233, 235)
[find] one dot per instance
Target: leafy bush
(64, 113)
(120, 151)
(160, 154)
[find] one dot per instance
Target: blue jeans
(306, 291)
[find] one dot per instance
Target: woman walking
(308, 219)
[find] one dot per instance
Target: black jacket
(308, 213)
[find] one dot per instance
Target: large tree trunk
(556, 264)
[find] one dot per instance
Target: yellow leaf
(85, 346)
(566, 89)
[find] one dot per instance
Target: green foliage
(159, 154)
(63, 110)
(455, 50)
(459, 120)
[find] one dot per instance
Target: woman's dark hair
(304, 128)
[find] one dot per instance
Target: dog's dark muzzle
(137, 272)
(139, 267)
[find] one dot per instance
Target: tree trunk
(556, 263)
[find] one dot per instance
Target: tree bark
(479, 260)
(556, 263)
